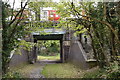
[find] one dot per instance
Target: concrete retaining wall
(18, 59)
(77, 55)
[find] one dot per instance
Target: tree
(12, 30)
(100, 21)
(16, 28)
(0, 40)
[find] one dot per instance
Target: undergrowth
(113, 71)
(13, 74)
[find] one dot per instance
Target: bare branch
(21, 10)
(15, 27)
(13, 9)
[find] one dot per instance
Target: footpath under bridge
(51, 34)
(71, 49)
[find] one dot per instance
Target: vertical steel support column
(35, 51)
(1, 39)
(61, 51)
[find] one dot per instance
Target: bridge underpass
(56, 35)
(70, 49)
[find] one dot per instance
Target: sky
(18, 2)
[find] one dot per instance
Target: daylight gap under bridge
(51, 37)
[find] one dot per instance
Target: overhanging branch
(96, 20)
(20, 11)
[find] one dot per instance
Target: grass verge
(62, 70)
(57, 57)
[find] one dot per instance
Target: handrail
(83, 52)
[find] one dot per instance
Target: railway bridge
(72, 49)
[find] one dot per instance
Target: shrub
(112, 71)
(12, 75)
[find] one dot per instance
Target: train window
(51, 15)
(57, 16)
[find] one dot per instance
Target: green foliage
(63, 9)
(51, 47)
(94, 17)
(94, 22)
(13, 30)
(113, 71)
(26, 45)
(93, 74)
(12, 75)
(37, 5)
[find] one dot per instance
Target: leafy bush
(93, 73)
(12, 75)
(49, 47)
(113, 71)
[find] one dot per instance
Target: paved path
(32, 70)
(36, 71)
